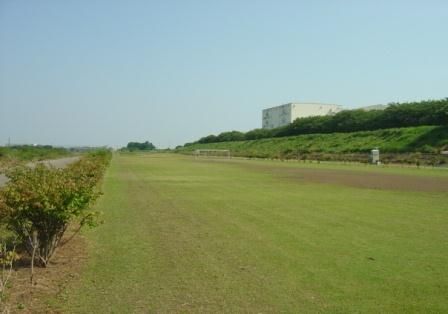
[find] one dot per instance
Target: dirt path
(366, 180)
(3, 179)
(350, 177)
(58, 163)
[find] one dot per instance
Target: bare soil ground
(355, 178)
(369, 180)
(49, 282)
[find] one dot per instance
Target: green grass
(413, 139)
(185, 235)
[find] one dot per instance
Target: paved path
(3, 179)
(58, 163)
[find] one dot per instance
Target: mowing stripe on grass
(184, 235)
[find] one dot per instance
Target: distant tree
(257, 134)
(208, 139)
(133, 146)
(230, 136)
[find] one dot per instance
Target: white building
(285, 114)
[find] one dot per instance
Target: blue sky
(93, 72)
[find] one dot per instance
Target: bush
(39, 203)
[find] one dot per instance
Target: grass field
(185, 235)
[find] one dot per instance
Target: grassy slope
(424, 138)
(184, 235)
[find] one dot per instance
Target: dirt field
(362, 179)
(371, 180)
(346, 177)
(22, 297)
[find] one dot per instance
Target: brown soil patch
(355, 178)
(65, 266)
(368, 180)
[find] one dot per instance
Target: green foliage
(133, 146)
(30, 152)
(230, 136)
(7, 255)
(207, 139)
(38, 203)
(426, 139)
(396, 115)
(223, 137)
(257, 134)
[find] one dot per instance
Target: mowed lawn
(186, 235)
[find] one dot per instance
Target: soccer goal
(225, 153)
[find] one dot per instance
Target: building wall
(285, 114)
(276, 116)
(303, 110)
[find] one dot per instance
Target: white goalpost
(225, 153)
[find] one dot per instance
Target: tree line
(134, 146)
(396, 115)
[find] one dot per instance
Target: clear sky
(92, 72)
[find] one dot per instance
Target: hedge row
(38, 203)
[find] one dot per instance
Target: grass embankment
(426, 139)
(185, 235)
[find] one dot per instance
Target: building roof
(303, 103)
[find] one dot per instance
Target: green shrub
(39, 203)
